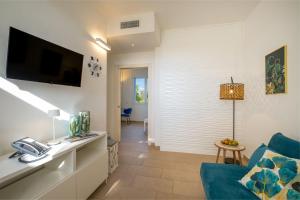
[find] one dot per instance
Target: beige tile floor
(146, 173)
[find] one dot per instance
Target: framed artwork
(276, 71)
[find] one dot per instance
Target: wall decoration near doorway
(276, 71)
(95, 67)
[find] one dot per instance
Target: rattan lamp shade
(232, 91)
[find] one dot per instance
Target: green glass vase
(85, 121)
(75, 125)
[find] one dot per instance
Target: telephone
(27, 145)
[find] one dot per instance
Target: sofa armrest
(213, 172)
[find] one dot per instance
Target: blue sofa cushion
(221, 181)
(285, 146)
(268, 178)
(257, 154)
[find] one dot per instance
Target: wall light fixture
(103, 44)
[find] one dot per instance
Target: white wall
(270, 26)
(52, 22)
(298, 73)
(190, 65)
(139, 111)
(115, 62)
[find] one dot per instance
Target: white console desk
(70, 171)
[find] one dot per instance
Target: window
(140, 86)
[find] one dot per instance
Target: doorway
(134, 103)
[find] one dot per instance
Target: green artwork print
(276, 71)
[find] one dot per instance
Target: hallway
(146, 173)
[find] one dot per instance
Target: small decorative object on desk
(230, 142)
(85, 121)
(81, 137)
(75, 125)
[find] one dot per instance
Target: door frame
(117, 99)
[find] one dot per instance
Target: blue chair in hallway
(126, 114)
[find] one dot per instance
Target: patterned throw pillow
(274, 177)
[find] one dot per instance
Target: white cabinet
(71, 171)
(88, 177)
(65, 190)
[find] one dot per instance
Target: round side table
(234, 149)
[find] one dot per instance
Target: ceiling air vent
(130, 24)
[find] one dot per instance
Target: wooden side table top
(234, 149)
(228, 147)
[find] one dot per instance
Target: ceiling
(180, 13)
(133, 43)
(170, 14)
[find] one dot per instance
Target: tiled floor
(146, 173)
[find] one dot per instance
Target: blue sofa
(220, 181)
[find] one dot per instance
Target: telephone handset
(30, 146)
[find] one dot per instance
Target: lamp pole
(53, 129)
(53, 114)
(233, 115)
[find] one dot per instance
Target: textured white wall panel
(190, 65)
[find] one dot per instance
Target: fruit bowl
(230, 142)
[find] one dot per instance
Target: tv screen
(34, 59)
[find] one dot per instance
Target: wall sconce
(103, 44)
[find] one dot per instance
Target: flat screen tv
(34, 59)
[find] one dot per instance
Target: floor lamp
(53, 114)
(232, 91)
